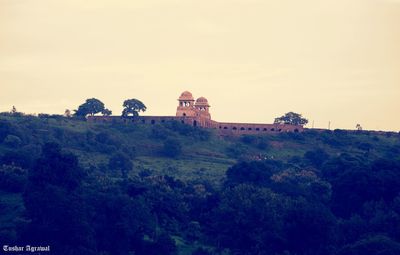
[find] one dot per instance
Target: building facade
(197, 113)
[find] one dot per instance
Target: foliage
(133, 107)
(12, 141)
(172, 148)
(291, 118)
(106, 112)
(12, 178)
(90, 107)
(120, 162)
(312, 193)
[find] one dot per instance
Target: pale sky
(331, 60)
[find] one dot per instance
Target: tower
(202, 108)
(186, 105)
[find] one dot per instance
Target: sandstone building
(197, 113)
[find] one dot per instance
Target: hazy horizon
(254, 60)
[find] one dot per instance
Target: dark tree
(373, 245)
(67, 113)
(133, 107)
(316, 157)
(249, 220)
(90, 107)
(255, 172)
(291, 118)
(56, 168)
(55, 209)
(172, 148)
(120, 162)
(106, 112)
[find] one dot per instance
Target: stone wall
(253, 129)
(222, 128)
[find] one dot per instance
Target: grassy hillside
(326, 173)
(204, 154)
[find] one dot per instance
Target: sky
(333, 61)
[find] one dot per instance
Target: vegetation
(133, 106)
(90, 107)
(104, 188)
(291, 118)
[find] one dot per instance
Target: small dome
(186, 96)
(202, 101)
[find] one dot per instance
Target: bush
(120, 162)
(236, 151)
(5, 129)
(187, 130)
(172, 148)
(12, 179)
(13, 141)
(159, 132)
(316, 157)
(248, 139)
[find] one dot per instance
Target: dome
(202, 101)
(186, 96)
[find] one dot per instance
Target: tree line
(319, 203)
(94, 106)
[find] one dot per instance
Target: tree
(316, 157)
(371, 245)
(255, 172)
(12, 141)
(55, 210)
(56, 168)
(172, 148)
(133, 106)
(67, 113)
(120, 162)
(106, 112)
(249, 220)
(291, 118)
(90, 107)
(359, 127)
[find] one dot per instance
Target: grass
(200, 159)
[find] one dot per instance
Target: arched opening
(257, 129)
(296, 130)
(162, 121)
(272, 129)
(250, 129)
(242, 128)
(184, 114)
(183, 122)
(153, 122)
(225, 127)
(195, 123)
(265, 129)
(220, 127)
(234, 128)
(279, 130)
(143, 121)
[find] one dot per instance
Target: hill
(204, 154)
(182, 176)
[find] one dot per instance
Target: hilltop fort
(197, 113)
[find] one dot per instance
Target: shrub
(172, 148)
(316, 157)
(12, 179)
(248, 139)
(13, 141)
(120, 162)
(160, 132)
(236, 151)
